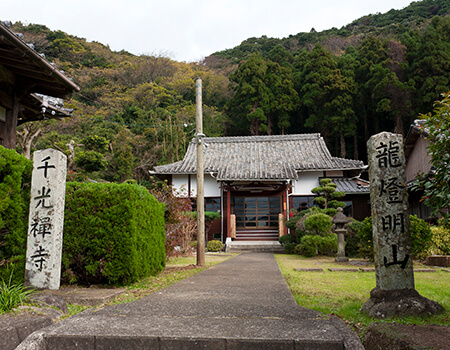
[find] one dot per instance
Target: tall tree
(327, 95)
(282, 97)
(429, 61)
(370, 71)
(251, 95)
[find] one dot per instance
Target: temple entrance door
(258, 213)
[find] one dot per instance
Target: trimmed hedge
(15, 180)
(113, 234)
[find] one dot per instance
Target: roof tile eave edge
(65, 80)
(253, 179)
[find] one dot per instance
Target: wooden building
(255, 181)
(27, 80)
(418, 162)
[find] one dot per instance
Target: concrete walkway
(242, 303)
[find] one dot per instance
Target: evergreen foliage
(312, 245)
(327, 196)
(113, 234)
(214, 246)
(421, 237)
(15, 179)
(440, 242)
(436, 184)
(375, 74)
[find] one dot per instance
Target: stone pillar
(45, 227)
(394, 293)
(390, 216)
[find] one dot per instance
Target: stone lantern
(340, 228)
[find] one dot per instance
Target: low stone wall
(438, 260)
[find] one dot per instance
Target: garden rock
(14, 329)
(404, 302)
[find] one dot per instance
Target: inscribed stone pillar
(45, 227)
(390, 216)
(394, 294)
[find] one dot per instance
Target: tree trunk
(342, 144)
(26, 137)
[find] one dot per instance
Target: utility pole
(200, 177)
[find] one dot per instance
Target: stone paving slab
(87, 296)
(242, 303)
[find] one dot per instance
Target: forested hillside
(377, 73)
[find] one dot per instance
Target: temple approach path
(242, 303)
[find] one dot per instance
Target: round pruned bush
(312, 245)
(318, 223)
(214, 246)
(289, 242)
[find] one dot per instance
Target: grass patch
(12, 295)
(343, 293)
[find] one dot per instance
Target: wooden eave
(33, 72)
(32, 110)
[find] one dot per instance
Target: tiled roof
(260, 157)
(351, 185)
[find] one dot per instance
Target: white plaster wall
(306, 182)
(419, 160)
(180, 184)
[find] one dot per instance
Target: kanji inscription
(390, 217)
(45, 227)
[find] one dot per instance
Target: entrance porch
(255, 215)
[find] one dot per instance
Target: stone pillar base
(400, 302)
(227, 244)
(341, 259)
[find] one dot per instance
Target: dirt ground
(395, 336)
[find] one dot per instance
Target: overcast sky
(188, 30)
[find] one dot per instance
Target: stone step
(255, 246)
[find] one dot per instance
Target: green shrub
(214, 246)
(90, 160)
(421, 237)
(289, 242)
(312, 245)
(292, 222)
(15, 179)
(440, 241)
(113, 234)
(352, 239)
(96, 143)
(365, 245)
(318, 223)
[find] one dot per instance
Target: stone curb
(15, 329)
